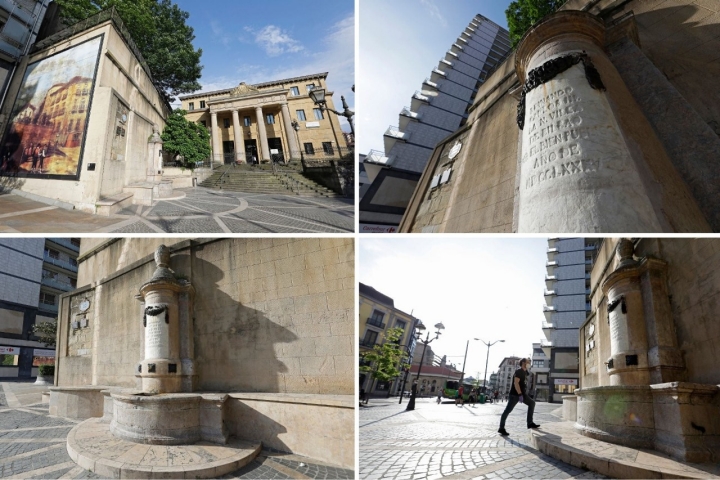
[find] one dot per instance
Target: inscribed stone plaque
(618, 332)
(157, 344)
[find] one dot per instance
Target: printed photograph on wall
(47, 126)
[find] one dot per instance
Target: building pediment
(248, 99)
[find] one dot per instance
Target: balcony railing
(550, 281)
(450, 52)
(446, 62)
(459, 47)
(60, 263)
(409, 113)
(462, 40)
(430, 83)
(546, 343)
(51, 282)
(376, 156)
(65, 242)
(395, 132)
(418, 94)
(367, 343)
(376, 323)
(548, 326)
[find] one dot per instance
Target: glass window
(300, 115)
(370, 338)
(309, 149)
(191, 106)
(565, 388)
(566, 361)
(53, 253)
(318, 114)
(202, 103)
(294, 91)
(226, 122)
(270, 119)
(246, 121)
(310, 86)
(9, 360)
(328, 148)
(400, 324)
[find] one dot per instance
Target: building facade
(34, 272)
(435, 111)
(506, 369)
(377, 315)
(432, 378)
(567, 304)
(649, 344)
(251, 123)
(540, 371)
(517, 166)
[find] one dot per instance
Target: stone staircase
(261, 179)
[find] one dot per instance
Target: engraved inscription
(618, 332)
(156, 338)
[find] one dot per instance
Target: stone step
(91, 445)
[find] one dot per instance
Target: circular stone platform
(91, 445)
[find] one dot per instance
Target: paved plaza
(33, 445)
(454, 442)
(191, 210)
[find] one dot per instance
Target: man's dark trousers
(512, 401)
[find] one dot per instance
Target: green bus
(451, 389)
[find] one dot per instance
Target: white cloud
(276, 42)
(434, 12)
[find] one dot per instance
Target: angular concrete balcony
(447, 63)
(451, 56)
(376, 156)
(407, 116)
(457, 48)
(548, 310)
(550, 267)
(547, 328)
(550, 281)
(549, 296)
(460, 38)
(392, 135)
(417, 100)
(546, 346)
(553, 242)
(437, 76)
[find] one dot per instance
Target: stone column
(154, 161)
(166, 327)
(264, 147)
(215, 135)
(289, 131)
(239, 142)
(577, 173)
(643, 347)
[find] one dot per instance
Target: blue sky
(252, 42)
(487, 288)
(401, 41)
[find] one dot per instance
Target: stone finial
(624, 252)
(155, 137)
(162, 257)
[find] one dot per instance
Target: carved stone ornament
(155, 310)
(162, 257)
(552, 68)
(243, 89)
(624, 252)
(455, 150)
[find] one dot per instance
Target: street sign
(565, 381)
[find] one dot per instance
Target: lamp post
(296, 126)
(488, 358)
(318, 97)
(428, 340)
(462, 375)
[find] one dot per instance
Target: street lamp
(488, 358)
(462, 375)
(296, 126)
(318, 96)
(438, 327)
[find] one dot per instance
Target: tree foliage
(385, 361)
(187, 139)
(158, 29)
(523, 14)
(46, 332)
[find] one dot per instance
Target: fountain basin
(168, 419)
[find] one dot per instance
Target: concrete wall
(271, 315)
(694, 289)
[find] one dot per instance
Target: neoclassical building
(254, 122)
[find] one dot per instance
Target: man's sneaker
(503, 432)
(533, 425)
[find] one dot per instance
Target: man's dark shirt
(522, 375)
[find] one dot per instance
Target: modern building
(435, 111)
(540, 371)
(567, 304)
(506, 369)
(251, 123)
(378, 314)
(517, 167)
(492, 382)
(34, 272)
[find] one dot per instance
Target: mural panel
(46, 131)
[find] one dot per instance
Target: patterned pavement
(193, 210)
(203, 210)
(447, 441)
(33, 445)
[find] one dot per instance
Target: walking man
(518, 393)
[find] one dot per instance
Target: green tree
(185, 138)
(46, 332)
(159, 30)
(523, 14)
(385, 362)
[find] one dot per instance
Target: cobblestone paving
(437, 441)
(33, 445)
(208, 211)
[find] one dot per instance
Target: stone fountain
(164, 428)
